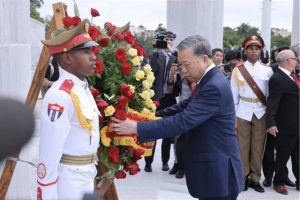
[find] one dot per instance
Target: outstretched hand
(125, 127)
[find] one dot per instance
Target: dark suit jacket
(212, 161)
(283, 104)
(158, 65)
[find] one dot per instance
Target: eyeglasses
(296, 59)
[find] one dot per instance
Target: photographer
(161, 61)
(232, 58)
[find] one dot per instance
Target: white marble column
(296, 23)
(266, 23)
(15, 56)
(194, 17)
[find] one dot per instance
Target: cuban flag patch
(54, 111)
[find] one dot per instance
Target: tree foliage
(279, 41)
(234, 37)
(34, 13)
(145, 41)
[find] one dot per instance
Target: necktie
(193, 92)
(293, 75)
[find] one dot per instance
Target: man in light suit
(283, 117)
(212, 158)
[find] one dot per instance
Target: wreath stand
(107, 187)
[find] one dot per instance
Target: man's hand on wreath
(125, 127)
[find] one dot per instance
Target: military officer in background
(250, 109)
(69, 120)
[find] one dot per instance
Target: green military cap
(76, 37)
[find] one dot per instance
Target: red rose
(122, 100)
(140, 50)
(107, 25)
(110, 29)
(94, 12)
(126, 68)
(94, 32)
(120, 174)
(95, 50)
(130, 149)
(126, 167)
(76, 21)
(129, 95)
(67, 21)
(134, 169)
(95, 92)
(156, 103)
(99, 67)
(101, 104)
(119, 36)
(120, 114)
(113, 154)
(120, 54)
(124, 89)
(103, 42)
(137, 153)
(129, 37)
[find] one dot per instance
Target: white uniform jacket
(261, 74)
(62, 133)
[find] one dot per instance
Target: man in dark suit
(283, 117)
(212, 159)
(161, 61)
(269, 156)
(264, 56)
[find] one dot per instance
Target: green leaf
(76, 10)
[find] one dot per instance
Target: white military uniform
(261, 75)
(62, 133)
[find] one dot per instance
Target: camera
(160, 42)
(228, 67)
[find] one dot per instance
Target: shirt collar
(250, 64)
(287, 72)
(67, 75)
(207, 70)
(166, 53)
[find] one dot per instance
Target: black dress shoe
(148, 168)
(290, 183)
(165, 167)
(267, 182)
(246, 184)
(256, 186)
(173, 170)
(179, 174)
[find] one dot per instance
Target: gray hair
(284, 55)
(199, 45)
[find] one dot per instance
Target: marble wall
(15, 55)
(194, 17)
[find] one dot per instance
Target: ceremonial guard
(69, 120)
(249, 85)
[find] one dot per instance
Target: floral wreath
(121, 87)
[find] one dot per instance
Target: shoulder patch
(67, 85)
(41, 171)
(54, 111)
